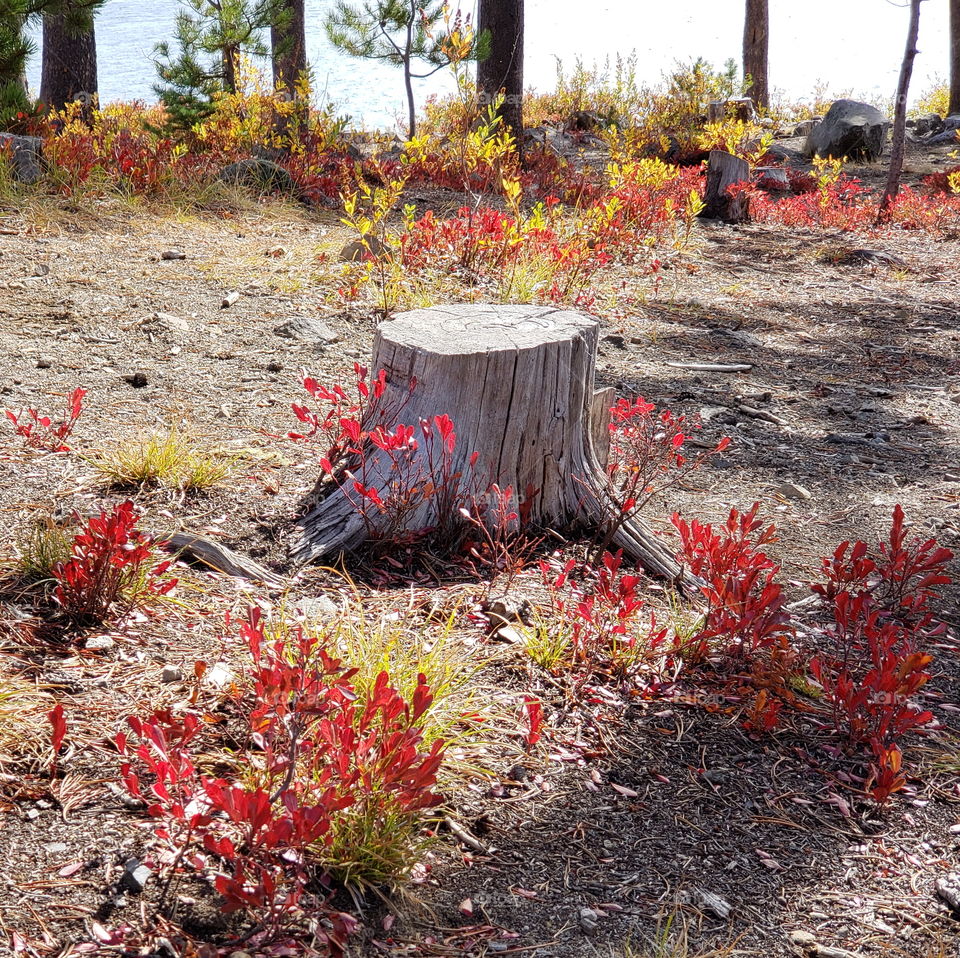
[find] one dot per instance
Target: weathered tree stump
(723, 171)
(517, 381)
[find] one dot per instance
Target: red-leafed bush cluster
(111, 570)
(745, 606)
(881, 606)
(331, 780)
(40, 432)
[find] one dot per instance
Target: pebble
(171, 674)
(44, 362)
(318, 607)
(99, 643)
(218, 676)
(588, 920)
(135, 876)
(137, 380)
(167, 321)
(302, 327)
(173, 254)
(55, 848)
(791, 490)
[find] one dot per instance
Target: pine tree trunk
(898, 137)
(69, 69)
(756, 41)
(517, 382)
(954, 56)
(503, 68)
(289, 48)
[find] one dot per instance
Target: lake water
(851, 45)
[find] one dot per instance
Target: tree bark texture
(517, 381)
(289, 45)
(69, 70)
(954, 56)
(900, 111)
(723, 171)
(756, 42)
(503, 68)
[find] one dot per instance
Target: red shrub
(111, 570)
(41, 433)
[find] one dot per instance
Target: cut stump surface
(517, 382)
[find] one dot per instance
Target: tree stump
(517, 381)
(723, 171)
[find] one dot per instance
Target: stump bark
(517, 381)
(723, 171)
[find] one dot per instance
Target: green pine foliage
(16, 48)
(400, 32)
(210, 37)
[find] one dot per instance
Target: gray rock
(171, 674)
(218, 676)
(928, 125)
(952, 122)
(850, 129)
(100, 643)
(357, 250)
(302, 327)
(27, 156)
(258, 174)
(785, 154)
(135, 876)
(706, 901)
(792, 490)
(164, 322)
(319, 607)
(172, 254)
(805, 127)
(948, 890)
(588, 920)
(586, 121)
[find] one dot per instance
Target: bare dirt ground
(853, 393)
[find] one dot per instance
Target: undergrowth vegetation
(327, 759)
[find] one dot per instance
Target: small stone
(169, 254)
(229, 299)
(218, 676)
(137, 380)
(224, 412)
(955, 829)
(508, 633)
(135, 876)
(302, 327)
(707, 901)
(44, 362)
(55, 848)
(165, 321)
(588, 920)
(171, 674)
(357, 250)
(791, 490)
(318, 607)
(948, 890)
(99, 643)
(274, 367)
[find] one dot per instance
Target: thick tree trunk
(954, 56)
(288, 45)
(69, 69)
(723, 171)
(756, 41)
(503, 68)
(900, 111)
(517, 381)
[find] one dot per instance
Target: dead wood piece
(713, 367)
(755, 413)
(517, 381)
(723, 171)
(218, 557)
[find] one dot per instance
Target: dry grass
(172, 460)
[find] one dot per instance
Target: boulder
(850, 129)
(260, 175)
(928, 125)
(26, 156)
(805, 127)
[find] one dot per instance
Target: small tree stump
(517, 381)
(723, 171)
